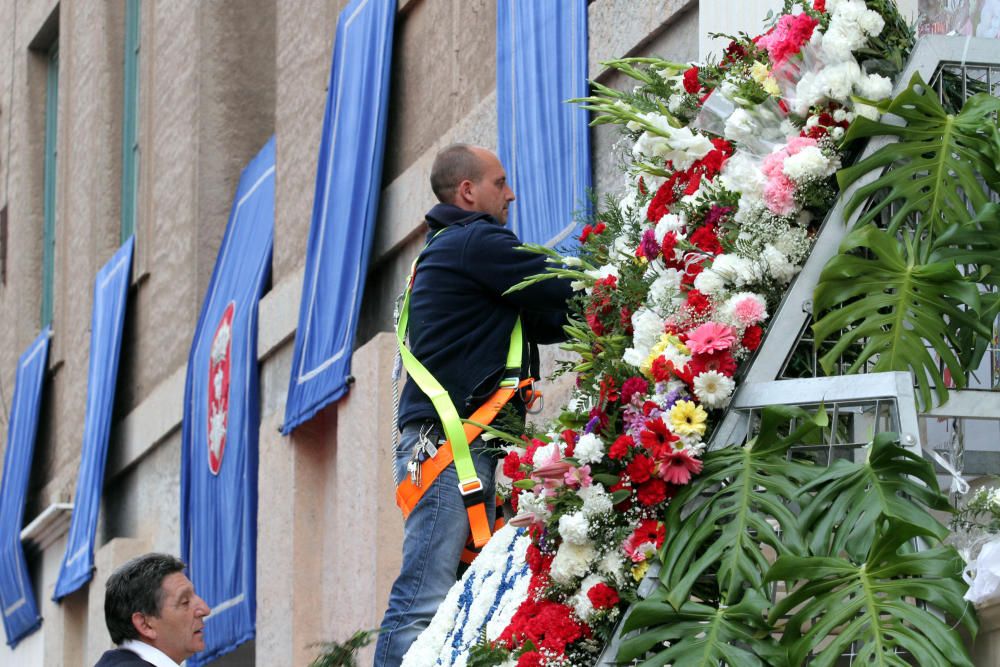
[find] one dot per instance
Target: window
(130, 120)
(51, 154)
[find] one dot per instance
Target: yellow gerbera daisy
(687, 418)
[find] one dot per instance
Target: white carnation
(581, 603)
(589, 449)
(741, 127)
(647, 327)
(777, 263)
(572, 561)
(613, 565)
(666, 285)
(810, 162)
(573, 528)
(668, 223)
(875, 87)
(709, 282)
(596, 501)
(742, 173)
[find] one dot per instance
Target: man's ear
(463, 194)
(142, 626)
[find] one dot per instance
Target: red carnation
(661, 369)
(691, 83)
(652, 492)
(691, 271)
(530, 659)
(640, 469)
(512, 466)
(602, 596)
(706, 239)
(625, 318)
(619, 448)
(751, 338)
(697, 302)
(668, 246)
(538, 561)
(660, 204)
(819, 5)
(632, 386)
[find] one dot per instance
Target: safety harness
(458, 435)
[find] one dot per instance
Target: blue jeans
(433, 538)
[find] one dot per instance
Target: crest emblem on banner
(219, 363)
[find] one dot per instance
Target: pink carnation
(749, 309)
(711, 337)
(779, 195)
(787, 37)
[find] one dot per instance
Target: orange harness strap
(408, 494)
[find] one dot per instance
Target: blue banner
(17, 599)
(348, 184)
(106, 324)
(222, 420)
(544, 141)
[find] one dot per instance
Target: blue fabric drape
(107, 321)
(348, 182)
(17, 599)
(221, 424)
(544, 141)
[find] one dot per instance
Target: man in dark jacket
(153, 614)
(460, 324)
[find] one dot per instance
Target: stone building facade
(216, 78)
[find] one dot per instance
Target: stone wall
(217, 79)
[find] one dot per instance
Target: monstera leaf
(719, 522)
(848, 500)
(906, 296)
(877, 605)
(941, 164)
(700, 635)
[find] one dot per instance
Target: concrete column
(365, 528)
(107, 559)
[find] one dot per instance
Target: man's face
(179, 629)
(491, 193)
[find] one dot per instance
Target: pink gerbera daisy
(711, 337)
(677, 466)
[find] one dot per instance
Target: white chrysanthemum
(589, 449)
(713, 389)
(709, 282)
(777, 263)
(529, 503)
(573, 528)
(810, 162)
(572, 561)
(596, 501)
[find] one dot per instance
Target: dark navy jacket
(120, 657)
(460, 321)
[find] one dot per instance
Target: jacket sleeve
(492, 253)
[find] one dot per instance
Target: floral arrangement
(976, 534)
(729, 173)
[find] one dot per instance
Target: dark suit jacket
(120, 657)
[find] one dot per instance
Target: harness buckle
(472, 492)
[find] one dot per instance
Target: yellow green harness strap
(469, 484)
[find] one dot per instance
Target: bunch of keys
(425, 449)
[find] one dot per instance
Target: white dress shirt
(148, 653)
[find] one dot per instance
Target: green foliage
(733, 507)
(897, 301)
(845, 541)
(875, 603)
(335, 654)
(934, 167)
